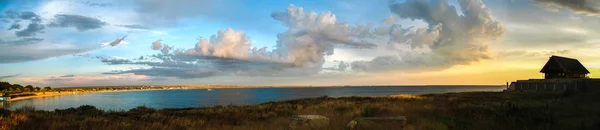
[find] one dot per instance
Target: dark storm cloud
(81, 23)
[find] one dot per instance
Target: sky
(64, 43)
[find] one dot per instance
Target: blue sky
(68, 43)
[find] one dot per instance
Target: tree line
(6, 87)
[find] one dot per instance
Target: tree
(47, 88)
(29, 88)
(37, 89)
(17, 87)
(4, 85)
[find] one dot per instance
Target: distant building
(560, 74)
(3, 99)
(563, 67)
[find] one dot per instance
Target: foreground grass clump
(476, 110)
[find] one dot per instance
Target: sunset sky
(292, 42)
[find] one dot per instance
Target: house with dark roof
(563, 67)
(4, 99)
(560, 74)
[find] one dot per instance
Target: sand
(46, 94)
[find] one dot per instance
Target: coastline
(184, 87)
(52, 94)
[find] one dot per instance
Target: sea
(189, 98)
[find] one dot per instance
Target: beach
(51, 94)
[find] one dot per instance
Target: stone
(377, 123)
(302, 122)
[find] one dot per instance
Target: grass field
(460, 111)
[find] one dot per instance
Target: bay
(185, 98)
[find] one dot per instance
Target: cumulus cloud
(226, 53)
(81, 23)
(165, 49)
(156, 45)
(390, 20)
(226, 44)
(588, 7)
(448, 39)
(311, 36)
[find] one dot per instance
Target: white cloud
(449, 39)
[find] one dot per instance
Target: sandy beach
(46, 94)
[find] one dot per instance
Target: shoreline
(45, 95)
(52, 94)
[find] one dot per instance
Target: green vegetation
(461, 111)
(7, 88)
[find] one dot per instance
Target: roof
(564, 64)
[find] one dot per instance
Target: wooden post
(507, 86)
(565, 87)
(554, 86)
(545, 87)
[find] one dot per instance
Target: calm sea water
(237, 96)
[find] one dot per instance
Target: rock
(352, 125)
(301, 122)
(377, 123)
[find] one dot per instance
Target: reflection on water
(236, 96)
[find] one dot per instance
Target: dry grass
(480, 110)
